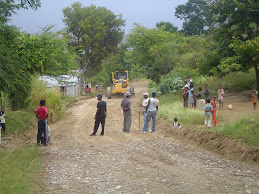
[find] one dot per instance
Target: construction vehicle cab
(120, 81)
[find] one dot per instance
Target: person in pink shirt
(42, 115)
(220, 96)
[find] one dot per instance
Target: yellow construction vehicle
(120, 81)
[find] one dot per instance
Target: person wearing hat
(100, 115)
(151, 108)
(144, 105)
(126, 107)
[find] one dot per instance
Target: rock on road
(134, 163)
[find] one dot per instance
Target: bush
(233, 82)
(53, 100)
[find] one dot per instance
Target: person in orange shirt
(214, 104)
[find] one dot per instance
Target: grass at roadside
(23, 120)
(246, 129)
(170, 107)
(21, 170)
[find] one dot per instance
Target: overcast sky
(145, 12)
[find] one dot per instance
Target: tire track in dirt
(134, 163)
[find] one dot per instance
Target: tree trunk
(257, 77)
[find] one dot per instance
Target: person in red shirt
(214, 104)
(42, 115)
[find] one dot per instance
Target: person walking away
(42, 115)
(126, 107)
(199, 96)
(206, 92)
(2, 121)
(176, 125)
(152, 108)
(254, 97)
(100, 115)
(144, 106)
(220, 96)
(214, 105)
(185, 97)
(208, 113)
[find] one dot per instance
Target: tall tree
(96, 31)
(167, 26)
(196, 15)
(237, 35)
(8, 7)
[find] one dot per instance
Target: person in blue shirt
(208, 113)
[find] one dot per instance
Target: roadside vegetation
(21, 170)
(246, 129)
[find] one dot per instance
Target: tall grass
(23, 120)
(171, 106)
(53, 100)
(21, 170)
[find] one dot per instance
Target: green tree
(196, 15)
(237, 35)
(96, 33)
(8, 7)
(156, 52)
(167, 26)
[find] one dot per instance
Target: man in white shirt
(151, 114)
(144, 105)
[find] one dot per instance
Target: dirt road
(134, 163)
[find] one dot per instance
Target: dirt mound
(215, 142)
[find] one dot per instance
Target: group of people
(195, 100)
(150, 107)
(149, 110)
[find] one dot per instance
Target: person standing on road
(144, 105)
(100, 115)
(126, 107)
(42, 115)
(152, 108)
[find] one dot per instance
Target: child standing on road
(254, 97)
(214, 104)
(208, 113)
(42, 115)
(185, 97)
(2, 120)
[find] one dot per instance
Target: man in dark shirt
(126, 107)
(100, 115)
